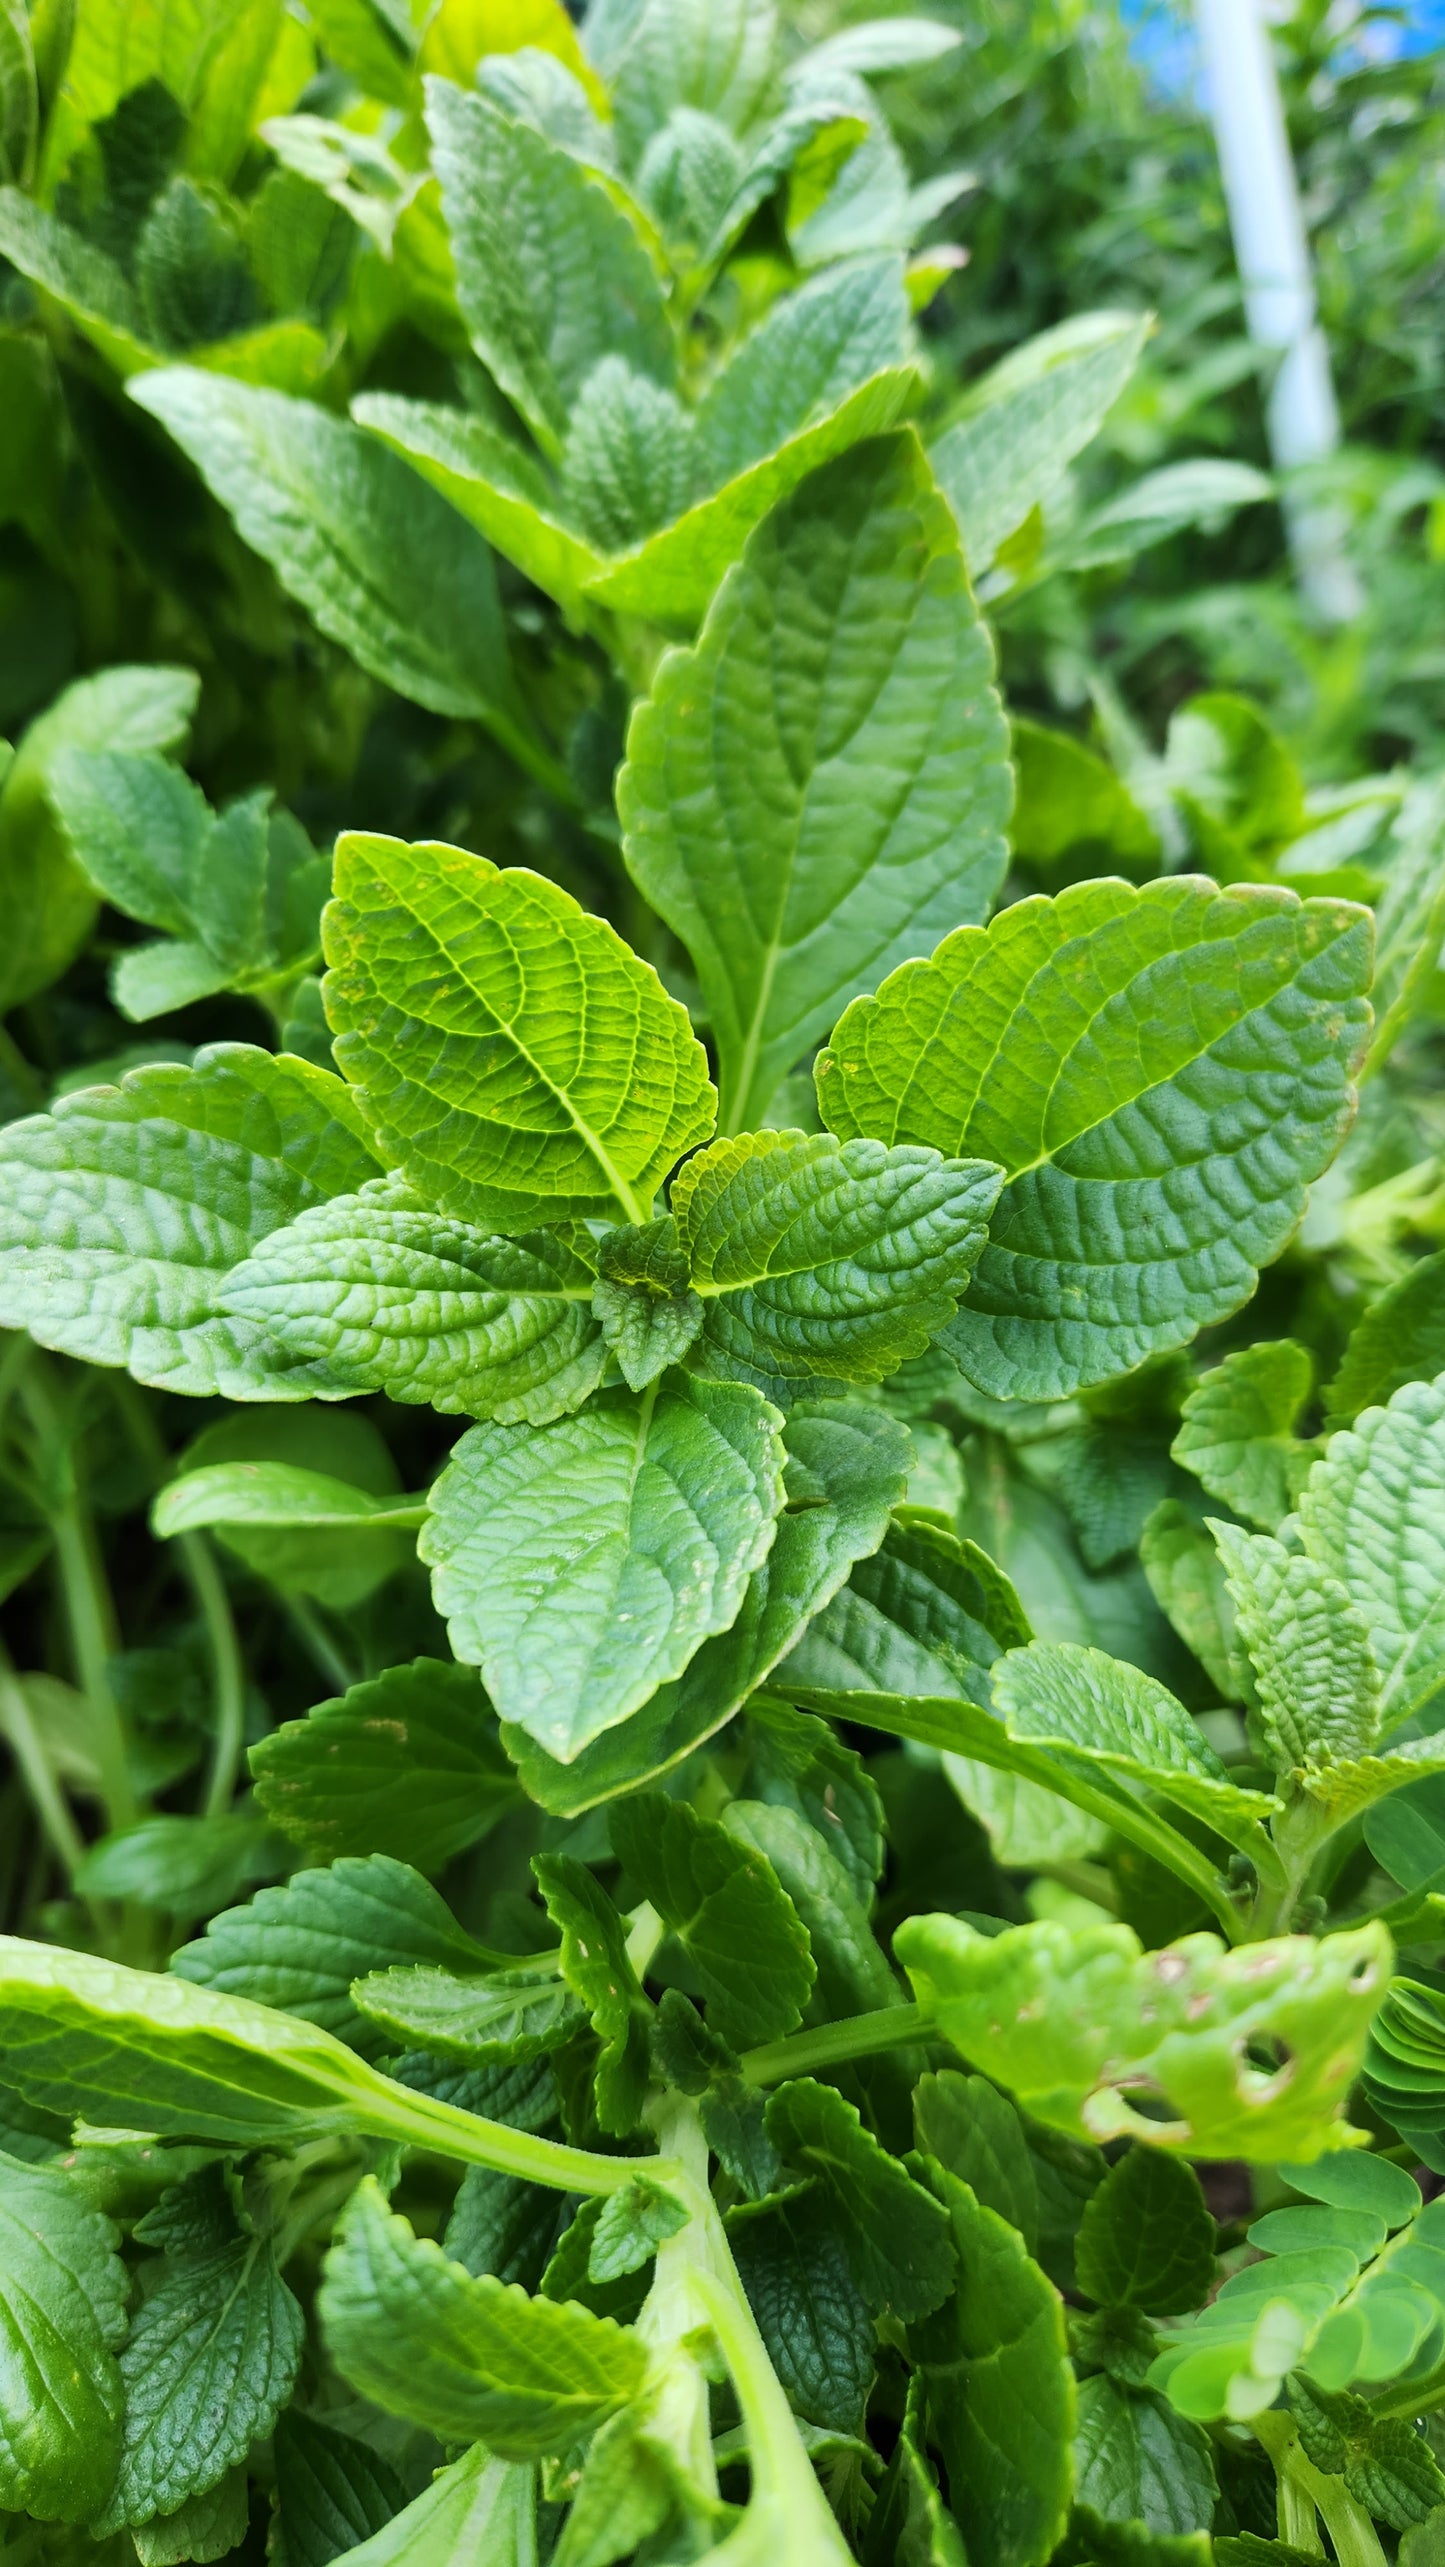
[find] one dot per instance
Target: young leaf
(62, 2313)
(1109, 1712)
(811, 1257)
(630, 2228)
(379, 1292)
(471, 2359)
(1237, 1432)
(387, 571)
(897, 2235)
(801, 1764)
(803, 836)
(406, 1764)
(1137, 2461)
(1315, 1674)
(649, 1314)
(910, 2526)
(746, 1943)
(1160, 1072)
(853, 1976)
(332, 2491)
(1411, 912)
(519, 1063)
(89, 287)
(810, 351)
(1021, 426)
(510, 2014)
(583, 1564)
(1077, 2022)
(811, 2314)
(480, 2508)
(1000, 2390)
(211, 2357)
(596, 1967)
(552, 276)
(1186, 1578)
(298, 1948)
(1373, 1514)
(715, 55)
(628, 463)
(122, 1212)
(1146, 2239)
(1400, 1339)
(845, 1466)
(276, 1494)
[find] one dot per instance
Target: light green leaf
(182, 1867)
(717, 55)
(879, 44)
(1111, 1714)
(491, 481)
(1137, 2461)
(1373, 1514)
(138, 826)
(511, 2014)
(1078, 2022)
(853, 1976)
(746, 1943)
(208, 2526)
(480, 2509)
(211, 2356)
(275, 1493)
(582, 1564)
(926, 1613)
(551, 274)
(376, 1291)
(811, 1257)
(468, 2357)
(1237, 1432)
(1020, 427)
(595, 1964)
(1146, 2239)
(155, 979)
(1400, 1339)
(1347, 1785)
(1318, 1685)
(389, 574)
(802, 838)
(630, 2229)
(897, 2235)
(1072, 805)
(63, 2292)
(518, 1060)
(1186, 1579)
(648, 1312)
(1161, 1073)
(1410, 913)
(122, 1212)
(811, 350)
(89, 288)
(627, 464)
(845, 1466)
(297, 1549)
(994, 2360)
(406, 1764)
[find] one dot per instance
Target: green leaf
(583, 1564)
(1076, 2022)
(275, 1493)
(716, 55)
(880, 44)
(1160, 1072)
(845, 1466)
(519, 1062)
(802, 838)
(897, 2235)
(812, 349)
(324, 1515)
(62, 2313)
(810, 2312)
(385, 570)
(1407, 1836)
(1400, 1339)
(811, 1257)
(494, 483)
(122, 1212)
(511, 2014)
(1020, 427)
(1146, 2240)
(1373, 1514)
(1238, 1431)
(481, 2509)
(1073, 808)
(140, 828)
(211, 2357)
(596, 1967)
(995, 2365)
(975, 2133)
(798, 1763)
(1111, 1714)
(1317, 1683)
(628, 463)
(910, 2525)
(927, 1613)
(1137, 2461)
(183, 1867)
(332, 2491)
(19, 100)
(379, 1292)
(471, 2359)
(630, 2229)
(648, 1313)
(406, 1764)
(299, 1948)
(853, 1976)
(552, 276)
(742, 1935)
(1410, 914)
(1186, 1577)
(88, 287)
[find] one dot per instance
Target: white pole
(1273, 257)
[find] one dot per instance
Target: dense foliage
(722, 1413)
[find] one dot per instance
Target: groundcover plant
(724, 1515)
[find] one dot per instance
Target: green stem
(310, 1629)
(424, 2121)
(227, 1668)
(18, 1722)
(90, 1611)
(785, 2491)
(823, 2045)
(1356, 2543)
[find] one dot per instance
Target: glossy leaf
(1146, 2239)
(896, 2233)
(62, 2313)
(1137, 2461)
(406, 1763)
(1108, 1712)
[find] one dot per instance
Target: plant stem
(94, 1635)
(424, 2121)
(1302, 2486)
(886, 2028)
(18, 1722)
(306, 1622)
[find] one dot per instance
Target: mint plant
(722, 1442)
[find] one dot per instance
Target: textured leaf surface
(810, 2312)
(332, 2491)
(1237, 1432)
(406, 1764)
(1146, 2239)
(736, 1923)
(469, 2358)
(897, 2235)
(649, 1314)
(480, 2508)
(1073, 2021)
(379, 1292)
(1410, 913)
(1137, 2461)
(91, 290)
(818, 788)
(551, 274)
(62, 2312)
(510, 2014)
(1111, 1713)
(1023, 424)
(1400, 1339)
(811, 350)
(595, 1964)
(927, 1613)
(517, 1060)
(1160, 1073)
(491, 481)
(813, 1256)
(122, 1212)
(1373, 1514)
(1318, 1686)
(583, 1564)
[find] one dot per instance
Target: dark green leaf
(1135, 2460)
(812, 2316)
(595, 1965)
(975, 2133)
(896, 2234)
(332, 2492)
(742, 1935)
(1147, 2240)
(406, 1764)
